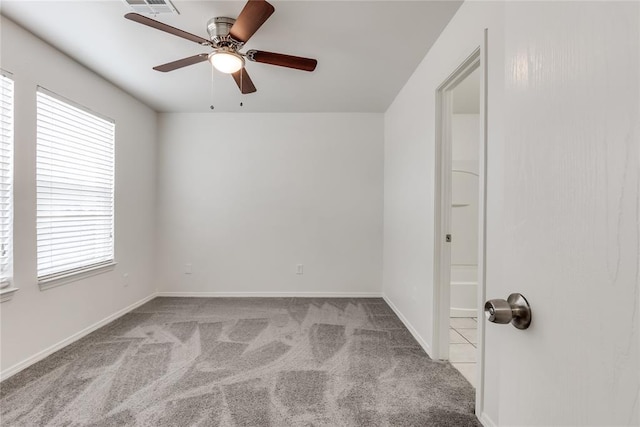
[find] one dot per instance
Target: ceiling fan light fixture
(227, 62)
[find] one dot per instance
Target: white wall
(244, 198)
(465, 130)
(35, 320)
(562, 215)
(409, 167)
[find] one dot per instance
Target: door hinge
(448, 238)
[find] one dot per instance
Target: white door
(564, 217)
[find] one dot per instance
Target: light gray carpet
(246, 362)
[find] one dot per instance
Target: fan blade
(244, 81)
(170, 66)
(297, 62)
(254, 14)
(167, 28)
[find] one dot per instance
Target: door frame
(442, 210)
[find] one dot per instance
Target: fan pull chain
(241, 92)
(211, 106)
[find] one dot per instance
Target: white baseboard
(272, 294)
(426, 347)
(65, 342)
(486, 421)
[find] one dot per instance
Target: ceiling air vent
(153, 7)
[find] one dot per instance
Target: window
(6, 179)
(75, 174)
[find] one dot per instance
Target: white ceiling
(366, 51)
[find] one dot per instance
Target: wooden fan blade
(253, 15)
(170, 66)
(167, 28)
(244, 81)
(297, 62)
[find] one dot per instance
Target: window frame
(49, 280)
(8, 288)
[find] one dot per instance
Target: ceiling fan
(227, 37)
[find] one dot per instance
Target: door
(563, 217)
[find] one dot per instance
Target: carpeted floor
(245, 362)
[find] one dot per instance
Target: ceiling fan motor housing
(218, 29)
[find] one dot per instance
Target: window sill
(6, 294)
(74, 276)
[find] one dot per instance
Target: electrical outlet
(300, 269)
(125, 280)
(187, 269)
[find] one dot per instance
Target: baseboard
(65, 342)
(426, 347)
(272, 294)
(486, 421)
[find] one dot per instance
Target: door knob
(514, 310)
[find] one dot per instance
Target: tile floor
(463, 340)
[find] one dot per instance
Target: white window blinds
(75, 174)
(6, 178)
